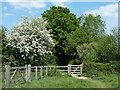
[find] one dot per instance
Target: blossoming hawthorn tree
(31, 38)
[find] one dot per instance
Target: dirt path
(97, 83)
(76, 76)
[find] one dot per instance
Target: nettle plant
(31, 38)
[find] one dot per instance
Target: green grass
(102, 81)
(110, 80)
(0, 80)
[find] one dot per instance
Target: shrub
(75, 62)
(49, 59)
(93, 68)
(54, 72)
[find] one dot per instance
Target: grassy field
(103, 81)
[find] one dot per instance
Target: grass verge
(102, 81)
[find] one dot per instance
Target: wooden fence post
(81, 68)
(29, 73)
(7, 76)
(36, 72)
(41, 72)
(54, 67)
(26, 73)
(69, 71)
(46, 70)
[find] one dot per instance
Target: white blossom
(31, 37)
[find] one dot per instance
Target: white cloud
(110, 10)
(5, 8)
(69, 0)
(9, 14)
(59, 2)
(35, 3)
(27, 3)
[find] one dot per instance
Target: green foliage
(90, 30)
(87, 51)
(101, 55)
(107, 49)
(52, 72)
(75, 62)
(50, 59)
(93, 69)
(62, 22)
(114, 31)
(93, 25)
(5, 52)
(71, 62)
(3, 42)
(69, 32)
(78, 37)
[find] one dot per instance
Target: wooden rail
(28, 72)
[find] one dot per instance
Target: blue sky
(12, 10)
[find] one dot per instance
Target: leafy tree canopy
(5, 52)
(94, 25)
(90, 30)
(107, 49)
(104, 50)
(62, 22)
(87, 51)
